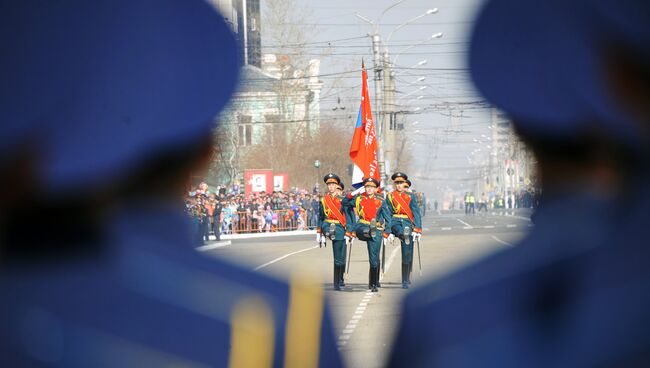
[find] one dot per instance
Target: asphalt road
(365, 322)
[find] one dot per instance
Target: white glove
(386, 241)
(319, 238)
(358, 191)
(391, 237)
(348, 239)
(416, 236)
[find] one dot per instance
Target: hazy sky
(448, 126)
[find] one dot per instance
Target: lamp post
(317, 166)
(379, 69)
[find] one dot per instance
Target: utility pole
(379, 114)
(390, 127)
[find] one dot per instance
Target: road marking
(467, 226)
(521, 217)
(425, 228)
(363, 304)
(213, 246)
(445, 228)
(488, 227)
(511, 225)
(501, 241)
(283, 257)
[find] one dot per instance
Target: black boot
(374, 272)
(336, 282)
(410, 272)
(341, 273)
(405, 276)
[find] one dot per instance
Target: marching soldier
(331, 224)
(372, 225)
(349, 219)
(406, 222)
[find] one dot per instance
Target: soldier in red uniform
(332, 224)
(406, 222)
(373, 223)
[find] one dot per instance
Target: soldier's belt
(333, 221)
(366, 222)
(401, 216)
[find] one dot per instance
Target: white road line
(511, 225)
(464, 223)
(363, 304)
(520, 217)
(213, 246)
(283, 257)
(445, 228)
(501, 241)
(488, 227)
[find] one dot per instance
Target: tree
(330, 145)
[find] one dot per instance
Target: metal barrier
(265, 221)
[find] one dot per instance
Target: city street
(364, 321)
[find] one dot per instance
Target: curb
(215, 245)
(264, 235)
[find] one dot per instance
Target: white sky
(443, 142)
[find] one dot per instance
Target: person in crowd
(118, 284)
(577, 93)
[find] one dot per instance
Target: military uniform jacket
(532, 312)
(368, 208)
(404, 205)
(152, 300)
(330, 210)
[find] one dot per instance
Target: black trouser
(216, 226)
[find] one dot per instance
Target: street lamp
(433, 37)
(428, 12)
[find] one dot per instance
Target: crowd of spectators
(228, 211)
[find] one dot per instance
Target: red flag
(363, 150)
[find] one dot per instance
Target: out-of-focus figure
(119, 99)
(574, 78)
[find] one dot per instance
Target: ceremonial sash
(371, 204)
(329, 204)
(401, 204)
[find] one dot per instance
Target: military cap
(135, 86)
(341, 186)
(542, 63)
(28, 90)
(408, 183)
(370, 181)
(332, 178)
(399, 176)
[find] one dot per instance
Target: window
(245, 133)
(276, 131)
